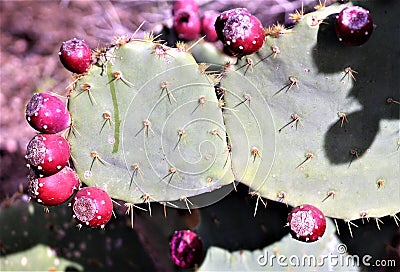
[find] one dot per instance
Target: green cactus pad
(349, 170)
(147, 126)
(38, 258)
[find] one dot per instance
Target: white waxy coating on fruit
(354, 17)
(34, 105)
(302, 223)
(237, 27)
(36, 151)
(33, 187)
(84, 209)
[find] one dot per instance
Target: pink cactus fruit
(47, 113)
(47, 154)
(207, 25)
(187, 24)
(55, 189)
(92, 207)
(75, 55)
(307, 223)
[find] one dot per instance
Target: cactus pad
(336, 137)
(147, 125)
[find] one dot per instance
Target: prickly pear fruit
(92, 206)
(187, 24)
(207, 25)
(55, 189)
(354, 26)
(307, 223)
(186, 249)
(242, 33)
(47, 113)
(47, 154)
(224, 16)
(75, 55)
(185, 5)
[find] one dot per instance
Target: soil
(32, 33)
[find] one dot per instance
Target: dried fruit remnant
(186, 249)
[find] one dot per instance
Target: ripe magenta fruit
(47, 113)
(55, 189)
(92, 207)
(186, 249)
(241, 33)
(207, 26)
(307, 223)
(185, 5)
(187, 24)
(75, 55)
(47, 154)
(354, 26)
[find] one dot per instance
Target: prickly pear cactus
(305, 120)
(336, 137)
(147, 125)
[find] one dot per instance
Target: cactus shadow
(376, 80)
(230, 223)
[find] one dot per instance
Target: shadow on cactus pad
(375, 80)
(231, 224)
